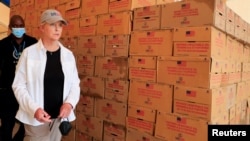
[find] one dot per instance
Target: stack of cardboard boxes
(159, 70)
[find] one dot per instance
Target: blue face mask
(18, 32)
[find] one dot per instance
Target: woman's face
(52, 31)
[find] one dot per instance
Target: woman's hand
(65, 110)
(42, 116)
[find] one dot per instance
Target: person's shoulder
(30, 38)
(6, 39)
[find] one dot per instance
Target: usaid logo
(54, 14)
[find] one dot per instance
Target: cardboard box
(135, 135)
(140, 125)
(146, 62)
(86, 105)
(241, 91)
(248, 33)
(180, 127)
(41, 4)
(72, 28)
(82, 136)
(89, 125)
(91, 45)
(246, 52)
(237, 26)
(113, 130)
(94, 7)
(70, 136)
(230, 21)
(112, 67)
(116, 90)
(61, 8)
(207, 104)
(166, 1)
(147, 18)
(31, 15)
(53, 3)
(117, 45)
(230, 91)
(142, 74)
(87, 21)
(244, 32)
(234, 77)
(71, 43)
(92, 86)
(184, 70)
(114, 23)
(222, 119)
(206, 41)
(73, 4)
(63, 1)
(142, 3)
(85, 65)
(72, 14)
(111, 111)
(142, 113)
(87, 30)
(151, 95)
(194, 13)
(151, 43)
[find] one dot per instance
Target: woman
(46, 84)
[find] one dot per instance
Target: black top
(53, 84)
(10, 52)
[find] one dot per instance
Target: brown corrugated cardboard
(112, 67)
(151, 43)
(140, 125)
(73, 4)
(92, 86)
(147, 18)
(116, 90)
(146, 62)
(184, 70)
(111, 111)
(180, 127)
(72, 14)
(142, 74)
(151, 95)
(230, 21)
(206, 41)
(87, 21)
(85, 65)
(86, 105)
(112, 129)
(82, 136)
(141, 113)
(91, 45)
(114, 23)
(72, 28)
(194, 13)
(117, 45)
(90, 125)
(94, 7)
(207, 104)
(135, 135)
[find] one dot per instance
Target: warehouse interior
(158, 75)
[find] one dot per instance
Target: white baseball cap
(51, 16)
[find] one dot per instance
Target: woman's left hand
(65, 110)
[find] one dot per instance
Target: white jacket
(28, 82)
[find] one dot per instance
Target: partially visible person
(11, 48)
(46, 84)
